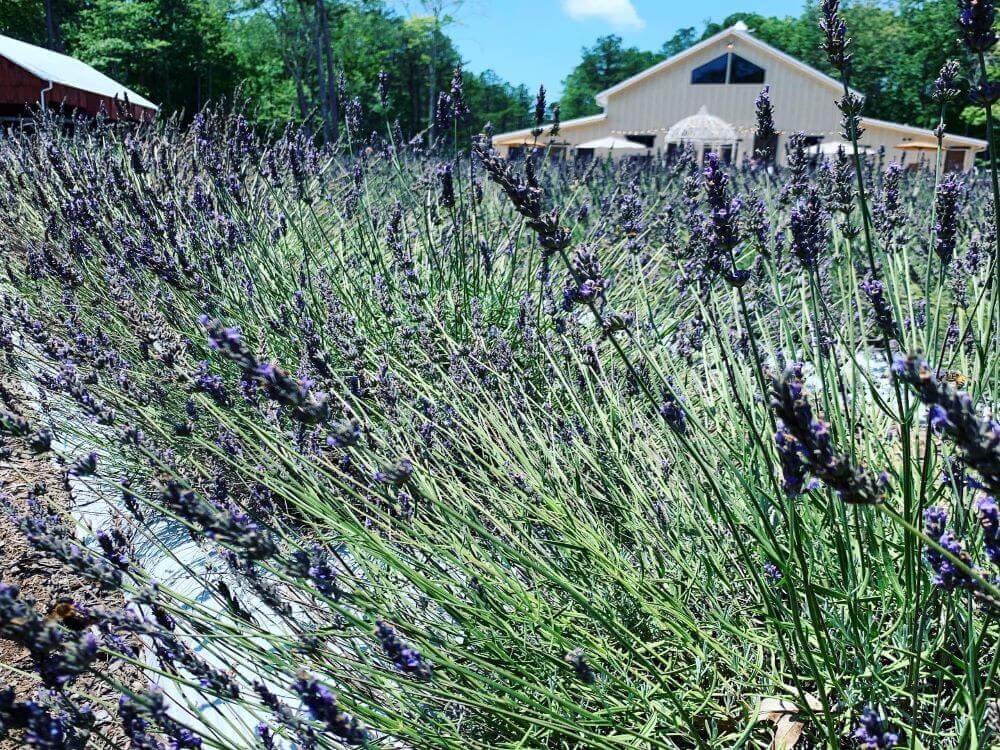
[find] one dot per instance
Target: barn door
(954, 160)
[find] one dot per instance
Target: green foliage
(603, 65)
(898, 50)
(183, 53)
(179, 52)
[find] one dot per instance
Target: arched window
(714, 71)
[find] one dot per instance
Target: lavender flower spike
(810, 227)
(989, 519)
(975, 21)
(835, 42)
(809, 437)
(322, 705)
(954, 414)
(406, 658)
(947, 575)
(947, 205)
(873, 732)
(765, 133)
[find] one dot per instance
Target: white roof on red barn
(66, 71)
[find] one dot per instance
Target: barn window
(728, 68)
(714, 71)
(744, 71)
(646, 140)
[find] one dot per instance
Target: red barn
(37, 78)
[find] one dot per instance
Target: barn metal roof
(67, 71)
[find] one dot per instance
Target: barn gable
(705, 76)
(718, 80)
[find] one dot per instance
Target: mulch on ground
(49, 583)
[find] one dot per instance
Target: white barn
(704, 97)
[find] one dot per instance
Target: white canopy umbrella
(612, 143)
(701, 128)
(827, 148)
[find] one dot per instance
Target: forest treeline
(318, 61)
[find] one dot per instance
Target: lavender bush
(488, 454)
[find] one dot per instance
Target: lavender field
(404, 445)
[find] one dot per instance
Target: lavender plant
(404, 449)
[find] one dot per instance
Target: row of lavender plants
(486, 455)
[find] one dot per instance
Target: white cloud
(619, 13)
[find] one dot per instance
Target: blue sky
(539, 41)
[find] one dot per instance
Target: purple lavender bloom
(810, 228)
(322, 705)
(233, 528)
(793, 467)
(791, 406)
(975, 21)
(460, 109)
(957, 418)
(138, 713)
(881, 308)
(888, 213)
(265, 735)
(229, 342)
(765, 135)
(353, 113)
(945, 87)
(836, 42)
(723, 222)
(946, 574)
(772, 573)
(672, 411)
(314, 565)
(873, 733)
(398, 474)
(539, 112)
(446, 199)
(947, 204)
(40, 441)
(48, 533)
(989, 519)
(985, 93)
(114, 547)
(13, 425)
(587, 284)
(58, 655)
(406, 658)
(383, 89)
(937, 417)
(45, 730)
(210, 384)
(443, 112)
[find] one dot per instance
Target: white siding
(803, 102)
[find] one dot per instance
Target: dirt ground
(48, 582)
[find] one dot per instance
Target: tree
(680, 41)
(602, 66)
(494, 100)
(177, 52)
(38, 21)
